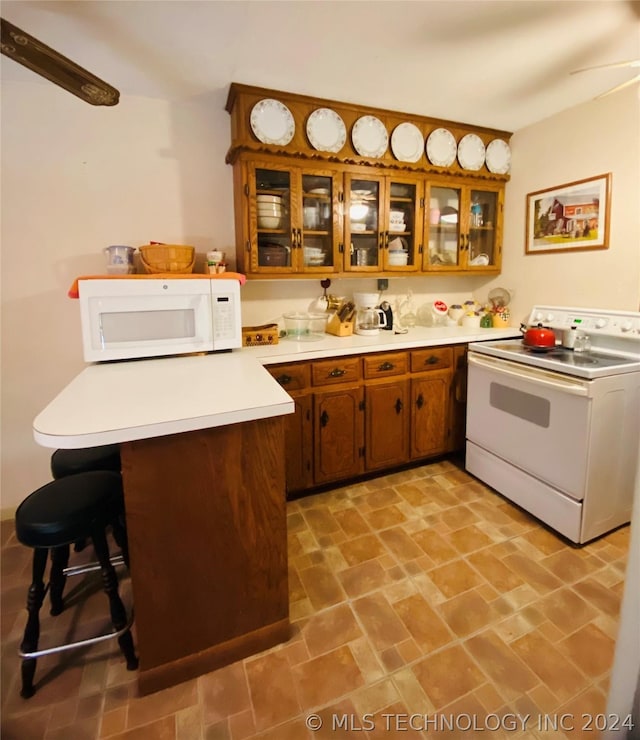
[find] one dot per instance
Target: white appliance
(556, 432)
(127, 318)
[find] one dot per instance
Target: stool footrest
(78, 643)
(78, 570)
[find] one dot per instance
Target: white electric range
(557, 432)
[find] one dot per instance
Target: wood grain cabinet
(301, 210)
(368, 413)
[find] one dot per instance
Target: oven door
(534, 419)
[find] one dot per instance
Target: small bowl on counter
(304, 325)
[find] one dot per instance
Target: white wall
(591, 139)
(76, 178)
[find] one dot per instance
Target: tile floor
(421, 603)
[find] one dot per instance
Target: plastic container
(119, 259)
(301, 325)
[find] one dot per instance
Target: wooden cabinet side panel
(206, 521)
(299, 444)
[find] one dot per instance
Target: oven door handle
(558, 382)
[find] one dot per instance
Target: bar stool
(81, 460)
(50, 519)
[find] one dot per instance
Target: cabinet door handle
(337, 372)
(284, 379)
(386, 240)
(386, 366)
(381, 240)
(398, 406)
(432, 360)
(324, 419)
(420, 401)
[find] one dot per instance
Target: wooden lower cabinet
(429, 414)
(371, 413)
(387, 424)
(338, 431)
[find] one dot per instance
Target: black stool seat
(76, 506)
(70, 462)
(66, 509)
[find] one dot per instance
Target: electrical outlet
(383, 284)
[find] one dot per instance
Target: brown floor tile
(509, 674)
(590, 649)
(413, 593)
(329, 629)
(382, 625)
(454, 578)
(447, 675)
(561, 677)
(273, 690)
(466, 613)
(340, 665)
(427, 629)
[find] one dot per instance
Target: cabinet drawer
(337, 370)
(435, 358)
(383, 365)
(292, 377)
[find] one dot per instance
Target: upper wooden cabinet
(302, 210)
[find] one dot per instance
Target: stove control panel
(592, 321)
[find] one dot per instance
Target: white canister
(456, 312)
(471, 320)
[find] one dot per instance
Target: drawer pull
(386, 366)
(324, 419)
(398, 406)
(284, 379)
(432, 360)
(420, 401)
(337, 372)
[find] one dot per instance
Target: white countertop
(288, 350)
(123, 401)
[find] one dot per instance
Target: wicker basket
(168, 258)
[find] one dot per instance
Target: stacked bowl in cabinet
(269, 211)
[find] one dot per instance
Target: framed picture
(574, 216)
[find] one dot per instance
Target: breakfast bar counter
(202, 448)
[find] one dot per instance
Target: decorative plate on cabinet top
(407, 142)
(441, 147)
(471, 152)
(369, 136)
(272, 122)
(326, 130)
(498, 157)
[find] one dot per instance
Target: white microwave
(127, 318)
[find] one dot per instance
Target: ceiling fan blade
(612, 65)
(619, 87)
(45, 61)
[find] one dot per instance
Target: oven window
(517, 403)
(142, 326)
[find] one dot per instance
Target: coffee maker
(369, 318)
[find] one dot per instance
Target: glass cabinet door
(364, 235)
(401, 240)
(318, 227)
(275, 236)
(483, 211)
(443, 227)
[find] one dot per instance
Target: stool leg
(119, 531)
(110, 585)
(35, 597)
(57, 578)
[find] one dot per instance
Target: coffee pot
(369, 318)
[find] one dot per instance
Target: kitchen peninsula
(202, 446)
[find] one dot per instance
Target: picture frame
(569, 217)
